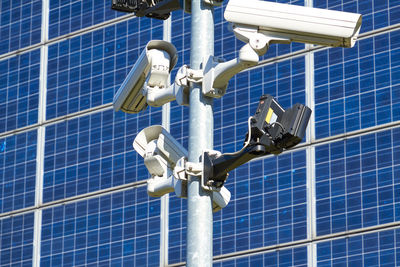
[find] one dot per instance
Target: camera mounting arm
(216, 166)
(258, 40)
(217, 73)
(178, 91)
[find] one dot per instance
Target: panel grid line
(68, 36)
(60, 202)
(41, 135)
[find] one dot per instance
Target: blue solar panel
(177, 229)
(85, 71)
(67, 16)
(268, 205)
(17, 171)
(373, 249)
(285, 257)
(16, 240)
(357, 182)
(93, 152)
(19, 91)
(20, 24)
(376, 14)
(359, 87)
(118, 229)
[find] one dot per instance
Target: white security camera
(156, 138)
(291, 23)
(164, 158)
(160, 152)
(261, 23)
(151, 71)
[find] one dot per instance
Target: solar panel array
(19, 91)
(18, 175)
(73, 191)
(20, 24)
(120, 228)
(17, 240)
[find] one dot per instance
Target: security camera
(158, 9)
(160, 152)
(150, 72)
(261, 23)
(156, 139)
(165, 160)
(272, 130)
(283, 23)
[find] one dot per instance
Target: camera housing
(164, 158)
(158, 9)
(292, 23)
(151, 70)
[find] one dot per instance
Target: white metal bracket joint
(214, 2)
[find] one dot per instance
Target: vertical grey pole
(201, 127)
(164, 213)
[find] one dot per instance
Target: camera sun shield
(294, 122)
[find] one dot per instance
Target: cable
(279, 124)
(247, 141)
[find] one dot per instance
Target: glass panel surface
(20, 24)
(94, 152)
(373, 249)
(359, 87)
(67, 16)
(376, 14)
(358, 182)
(85, 71)
(17, 171)
(285, 257)
(16, 240)
(19, 91)
(119, 229)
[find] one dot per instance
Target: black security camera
(158, 9)
(278, 129)
(272, 130)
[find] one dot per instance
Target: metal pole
(164, 214)
(201, 127)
